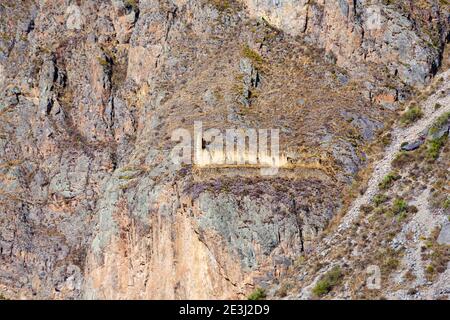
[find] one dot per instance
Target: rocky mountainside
(93, 207)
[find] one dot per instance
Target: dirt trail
(400, 135)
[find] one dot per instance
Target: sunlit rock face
(354, 31)
(289, 15)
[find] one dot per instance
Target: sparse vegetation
(413, 114)
(437, 255)
(429, 270)
(391, 263)
(221, 5)
(103, 62)
(299, 261)
(284, 289)
(399, 206)
(366, 209)
(389, 259)
(402, 158)
(446, 204)
(257, 294)
(328, 282)
(400, 209)
(434, 147)
(379, 199)
(252, 55)
(126, 177)
(388, 181)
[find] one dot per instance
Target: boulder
(46, 84)
(440, 131)
(413, 145)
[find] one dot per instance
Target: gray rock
(413, 145)
(301, 102)
(342, 78)
(346, 154)
(233, 115)
(367, 126)
(251, 79)
(241, 224)
(12, 100)
(282, 261)
(209, 98)
(442, 131)
(48, 75)
(330, 57)
(343, 5)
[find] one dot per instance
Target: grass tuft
(328, 282)
(257, 294)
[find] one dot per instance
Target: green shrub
(446, 204)
(411, 115)
(388, 181)
(252, 55)
(389, 259)
(328, 281)
(126, 177)
(221, 5)
(429, 269)
(299, 261)
(391, 264)
(434, 147)
(402, 216)
(257, 294)
(386, 139)
(103, 62)
(379, 199)
(366, 209)
(399, 206)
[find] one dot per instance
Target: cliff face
(92, 205)
(405, 38)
